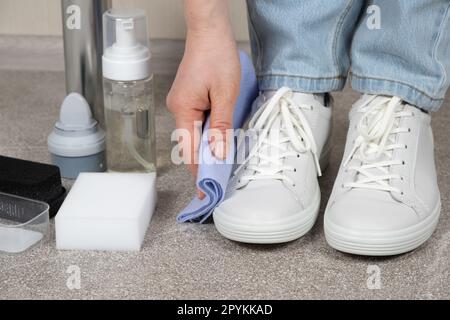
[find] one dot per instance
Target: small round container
(77, 143)
(23, 223)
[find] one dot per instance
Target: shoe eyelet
(406, 146)
(402, 193)
(298, 156)
(403, 162)
(342, 186)
(294, 185)
(295, 170)
(409, 130)
(402, 179)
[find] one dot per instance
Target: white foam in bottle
(107, 211)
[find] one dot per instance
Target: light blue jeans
(392, 47)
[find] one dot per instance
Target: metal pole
(83, 49)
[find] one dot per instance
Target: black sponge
(32, 180)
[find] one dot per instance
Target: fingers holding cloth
(215, 169)
(207, 82)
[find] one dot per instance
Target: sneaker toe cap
(366, 213)
(260, 206)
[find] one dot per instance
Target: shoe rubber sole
(368, 243)
(272, 232)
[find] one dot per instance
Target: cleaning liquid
(128, 93)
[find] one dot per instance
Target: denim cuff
(407, 92)
(300, 83)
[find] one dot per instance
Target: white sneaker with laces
(274, 195)
(385, 200)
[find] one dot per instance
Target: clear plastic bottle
(128, 90)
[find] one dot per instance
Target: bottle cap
(126, 54)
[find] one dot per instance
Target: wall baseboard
(46, 53)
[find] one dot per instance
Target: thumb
(222, 110)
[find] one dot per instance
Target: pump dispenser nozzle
(125, 35)
(126, 55)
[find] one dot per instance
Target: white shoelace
(375, 144)
(293, 129)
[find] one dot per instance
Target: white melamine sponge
(106, 211)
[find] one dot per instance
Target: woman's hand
(207, 79)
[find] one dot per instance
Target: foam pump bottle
(128, 92)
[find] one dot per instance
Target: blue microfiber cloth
(214, 174)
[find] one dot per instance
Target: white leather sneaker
(274, 195)
(385, 200)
